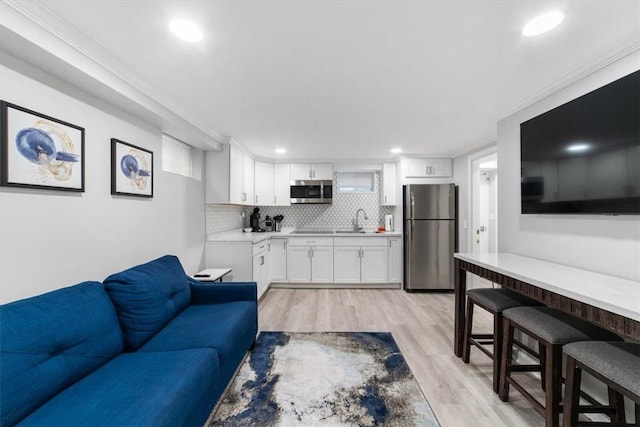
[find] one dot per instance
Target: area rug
(337, 378)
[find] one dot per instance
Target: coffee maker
(254, 220)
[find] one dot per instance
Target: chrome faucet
(357, 225)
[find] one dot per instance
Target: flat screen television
(583, 157)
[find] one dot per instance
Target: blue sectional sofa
(148, 347)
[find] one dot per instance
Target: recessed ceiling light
(186, 30)
(396, 150)
(542, 24)
(578, 148)
(280, 150)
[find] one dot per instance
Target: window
(176, 156)
(356, 182)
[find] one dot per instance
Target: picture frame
(40, 151)
(131, 170)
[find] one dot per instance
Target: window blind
(176, 156)
(356, 182)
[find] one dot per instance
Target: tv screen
(583, 157)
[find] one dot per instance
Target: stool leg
(507, 349)
(542, 351)
(571, 393)
(497, 350)
(616, 401)
(637, 414)
(553, 379)
(468, 324)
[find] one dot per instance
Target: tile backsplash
(340, 214)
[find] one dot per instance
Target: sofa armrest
(220, 292)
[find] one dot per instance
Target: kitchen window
(356, 182)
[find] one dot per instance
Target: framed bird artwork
(131, 170)
(40, 151)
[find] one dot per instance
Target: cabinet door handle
(310, 175)
(385, 199)
(314, 173)
(275, 200)
(311, 252)
(256, 199)
(285, 245)
(268, 247)
(308, 253)
(262, 260)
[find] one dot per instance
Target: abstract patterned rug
(350, 378)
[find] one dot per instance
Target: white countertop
(240, 236)
(614, 294)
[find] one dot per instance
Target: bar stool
(617, 364)
(552, 329)
(495, 301)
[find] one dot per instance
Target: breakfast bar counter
(611, 302)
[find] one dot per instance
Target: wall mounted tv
(583, 157)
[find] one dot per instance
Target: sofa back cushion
(147, 297)
(51, 341)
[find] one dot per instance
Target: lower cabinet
(261, 267)
(395, 259)
(249, 262)
(278, 260)
(310, 260)
(360, 260)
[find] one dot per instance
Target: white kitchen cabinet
(229, 176)
(306, 171)
(261, 266)
(248, 262)
(395, 260)
(310, 260)
(346, 264)
(278, 260)
(360, 260)
(298, 264)
(264, 189)
(427, 168)
(282, 184)
(389, 194)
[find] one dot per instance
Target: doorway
(483, 233)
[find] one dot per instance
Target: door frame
(470, 193)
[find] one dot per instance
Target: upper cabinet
(427, 168)
(230, 176)
(389, 185)
(264, 184)
(306, 171)
(281, 184)
(272, 187)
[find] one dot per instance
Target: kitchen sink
(312, 232)
(350, 232)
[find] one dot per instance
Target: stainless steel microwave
(308, 191)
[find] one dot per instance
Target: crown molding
(38, 24)
(611, 55)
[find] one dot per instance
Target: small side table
(211, 274)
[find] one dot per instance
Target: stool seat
(556, 327)
(615, 362)
(552, 329)
(499, 299)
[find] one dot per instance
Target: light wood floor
(422, 325)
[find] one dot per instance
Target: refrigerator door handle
(413, 202)
(408, 250)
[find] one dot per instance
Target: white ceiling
(350, 79)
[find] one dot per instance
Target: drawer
(310, 241)
(361, 241)
(258, 248)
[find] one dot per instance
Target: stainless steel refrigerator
(429, 236)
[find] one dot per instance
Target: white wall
(52, 239)
(606, 244)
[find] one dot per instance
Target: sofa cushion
(229, 328)
(147, 296)
(50, 341)
(137, 389)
